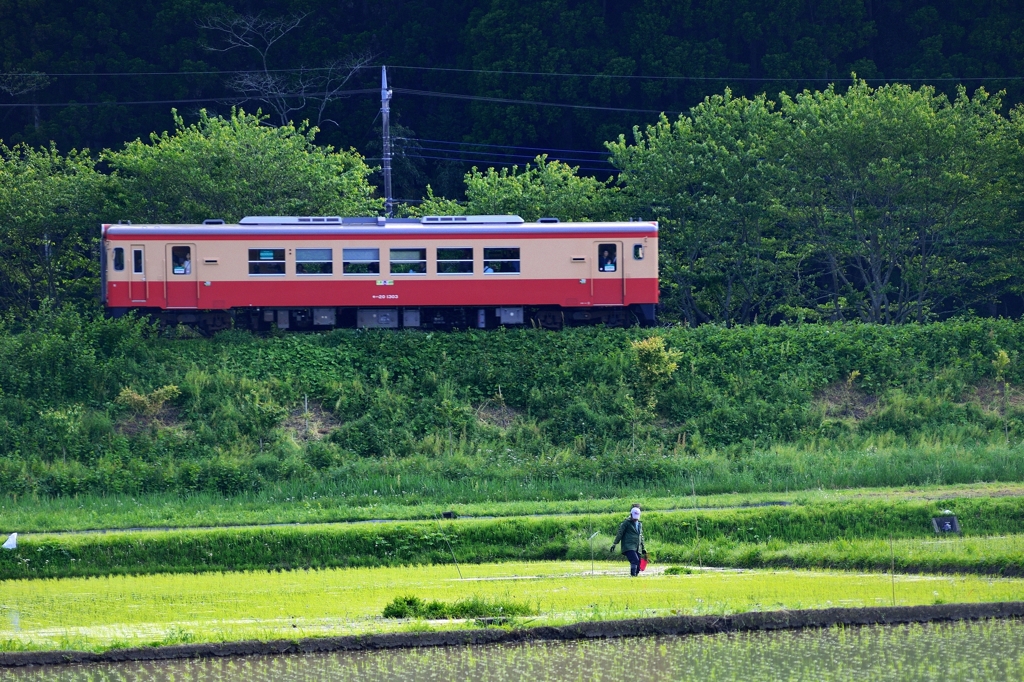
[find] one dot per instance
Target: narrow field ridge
(638, 627)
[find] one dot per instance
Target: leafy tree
(546, 188)
(232, 167)
(49, 225)
(888, 184)
(708, 178)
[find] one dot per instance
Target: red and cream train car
(434, 272)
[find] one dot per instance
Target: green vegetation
(931, 652)
(1003, 555)
(115, 612)
(291, 503)
(101, 407)
(841, 534)
(411, 606)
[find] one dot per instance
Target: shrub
(471, 607)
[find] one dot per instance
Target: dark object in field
(449, 515)
(945, 524)
(473, 607)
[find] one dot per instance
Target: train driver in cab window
(606, 261)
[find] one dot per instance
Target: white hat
(635, 513)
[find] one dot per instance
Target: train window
(638, 251)
(408, 261)
(314, 261)
(360, 261)
(137, 261)
(266, 261)
(501, 261)
(607, 257)
(181, 260)
(454, 261)
(119, 259)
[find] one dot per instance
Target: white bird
(12, 542)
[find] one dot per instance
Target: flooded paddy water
(981, 650)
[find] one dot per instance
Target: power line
(553, 74)
(221, 98)
(210, 72)
(503, 146)
(531, 157)
(502, 162)
(759, 79)
(506, 158)
(503, 100)
(363, 91)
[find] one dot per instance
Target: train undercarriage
(427, 318)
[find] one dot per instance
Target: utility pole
(385, 111)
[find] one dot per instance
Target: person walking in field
(631, 535)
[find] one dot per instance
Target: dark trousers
(634, 562)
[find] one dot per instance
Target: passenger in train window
(181, 260)
(607, 261)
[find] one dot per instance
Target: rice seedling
(100, 613)
(986, 650)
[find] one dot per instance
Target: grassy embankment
(165, 510)
(103, 423)
(97, 614)
(101, 408)
(836, 535)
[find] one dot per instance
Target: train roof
(330, 226)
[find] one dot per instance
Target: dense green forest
(643, 55)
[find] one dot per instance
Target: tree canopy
(104, 59)
(232, 167)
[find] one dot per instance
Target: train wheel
(549, 319)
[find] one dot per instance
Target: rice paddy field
(974, 651)
(123, 611)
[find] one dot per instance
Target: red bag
(643, 563)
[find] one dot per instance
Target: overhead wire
(553, 74)
(499, 162)
(219, 98)
(528, 157)
(502, 146)
(505, 100)
(698, 78)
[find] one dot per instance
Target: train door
(181, 281)
(138, 288)
(607, 275)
